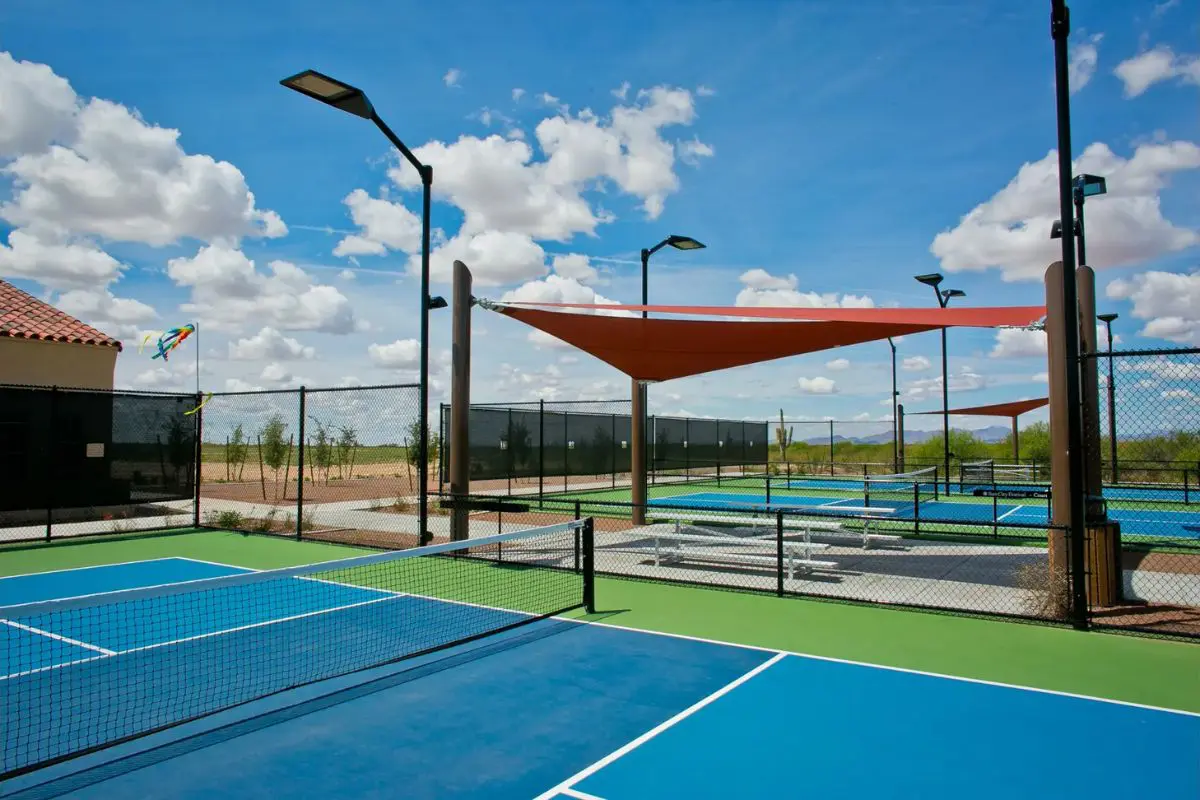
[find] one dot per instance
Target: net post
(199, 459)
(589, 565)
(935, 482)
(51, 455)
(300, 463)
(1186, 500)
(779, 552)
(995, 516)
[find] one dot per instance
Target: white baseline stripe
(95, 566)
(57, 637)
(578, 795)
(655, 731)
(1008, 513)
(908, 670)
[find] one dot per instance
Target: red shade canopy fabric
(1013, 409)
(963, 317)
(664, 349)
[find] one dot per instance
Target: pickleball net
(81, 674)
(901, 488)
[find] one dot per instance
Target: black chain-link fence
(892, 554)
(1149, 422)
(327, 464)
(77, 462)
(547, 446)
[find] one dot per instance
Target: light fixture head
(931, 279)
(1090, 185)
(331, 92)
(684, 243)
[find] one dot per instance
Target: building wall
(35, 362)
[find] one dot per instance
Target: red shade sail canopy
(664, 349)
(1013, 409)
(966, 317)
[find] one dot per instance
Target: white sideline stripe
(214, 563)
(97, 566)
(70, 601)
(1007, 513)
(656, 730)
(57, 637)
(578, 795)
(869, 665)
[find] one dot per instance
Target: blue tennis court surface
(1148, 493)
(575, 710)
(1147, 522)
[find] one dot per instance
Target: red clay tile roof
(23, 316)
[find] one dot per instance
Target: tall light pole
(934, 279)
(345, 97)
(637, 453)
(1060, 30)
(1107, 319)
(895, 421)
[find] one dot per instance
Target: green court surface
(1153, 672)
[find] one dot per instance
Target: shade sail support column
(637, 451)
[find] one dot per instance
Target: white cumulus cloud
(1168, 302)
(1160, 64)
(761, 288)
(818, 385)
(1011, 231)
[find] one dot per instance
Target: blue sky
(825, 152)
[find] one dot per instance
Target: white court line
(95, 566)
(1008, 513)
(207, 635)
(656, 730)
(74, 597)
(57, 637)
(214, 563)
(740, 646)
(908, 670)
(578, 795)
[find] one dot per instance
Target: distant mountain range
(992, 433)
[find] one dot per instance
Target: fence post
(51, 457)
(566, 451)
(831, 448)
(917, 507)
(541, 447)
(687, 449)
(508, 458)
(199, 458)
(300, 486)
(779, 553)
(442, 444)
(612, 462)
